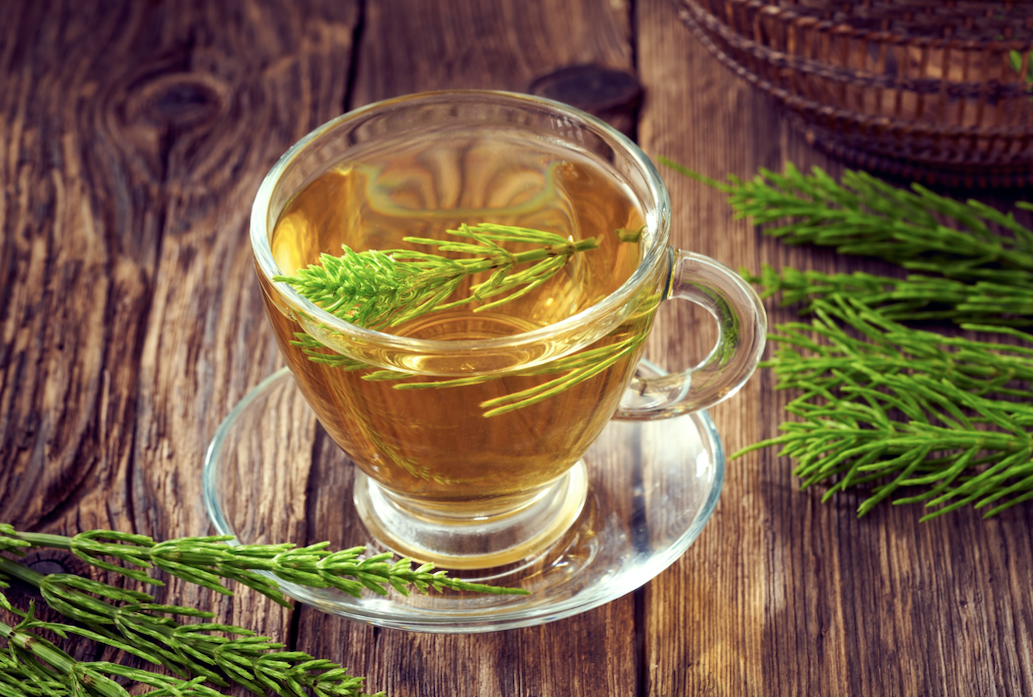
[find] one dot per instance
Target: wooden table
(133, 136)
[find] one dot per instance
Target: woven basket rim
(803, 104)
(787, 16)
(840, 74)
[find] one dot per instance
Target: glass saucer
(272, 475)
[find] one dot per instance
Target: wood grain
(131, 316)
(783, 594)
(470, 44)
(133, 136)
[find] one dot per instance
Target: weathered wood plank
(264, 74)
(134, 136)
(417, 46)
(783, 594)
(70, 296)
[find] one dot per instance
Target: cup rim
(262, 250)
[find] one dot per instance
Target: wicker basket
(928, 89)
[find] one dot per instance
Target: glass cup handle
(742, 323)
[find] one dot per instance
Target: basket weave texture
(927, 89)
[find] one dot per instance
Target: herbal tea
(482, 445)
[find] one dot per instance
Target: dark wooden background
(133, 135)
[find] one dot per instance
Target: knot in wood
(179, 101)
(612, 95)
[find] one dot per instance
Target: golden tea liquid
(435, 445)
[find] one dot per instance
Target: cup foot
(482, 543)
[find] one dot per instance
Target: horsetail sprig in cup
(381, 289)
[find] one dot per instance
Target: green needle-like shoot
(197, 652)
(35, 667)
(205, 561)
(866, 216)
(886, 406)
(381, 289)
(903, 413)
(217, 653)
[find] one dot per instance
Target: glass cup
(468, 427)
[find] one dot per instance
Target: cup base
(482, 543)
(272, 475)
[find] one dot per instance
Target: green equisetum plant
(887, 406)
(382, 289)
(884, 407)
(197, 652)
